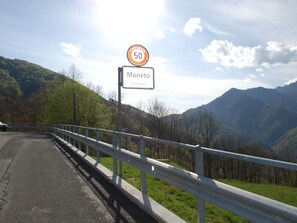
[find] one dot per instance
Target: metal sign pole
(119, 136)
(119, 128)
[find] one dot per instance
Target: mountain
(274, 97)
(289, 91)
(266, 115)
(29, 77)
(24, 90)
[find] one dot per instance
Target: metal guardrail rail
(248, 205)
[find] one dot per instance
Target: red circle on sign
(137, 55)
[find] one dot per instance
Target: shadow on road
(118, 204)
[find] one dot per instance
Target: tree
(10, 94)
(96, 88)
(159, 111)
(208, 126)
(74, 73)
(90, 110)
(141, 116)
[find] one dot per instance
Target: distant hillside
(30, 77)
(274, 98)
(226, 130)
(24, 90)
(267, 115)
(261, 113)
(289, 91)
(287, 144)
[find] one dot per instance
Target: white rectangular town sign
(138, 77)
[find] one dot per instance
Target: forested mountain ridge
(267, 115)
(24, 89)
(289, 90)
(30, 77)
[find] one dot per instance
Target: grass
(280, 193)
(184, 204)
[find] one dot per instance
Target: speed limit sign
(137, 55)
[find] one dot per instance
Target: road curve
(39, 184)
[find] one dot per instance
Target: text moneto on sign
(138, 77)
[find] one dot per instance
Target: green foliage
(8, 86)
(24, 90)
(10, 94)
(30, 77)
(286, 146)
(89, 108)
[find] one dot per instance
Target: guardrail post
(87, 135)
(63, 132)
(67, 128)
(142, 156)
(79, 142)
(120, 162)
(115, 161)
(97, 151)
(119, 142)
(199, 168)
(73, 138)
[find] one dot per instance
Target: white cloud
(172, 29)
(216, 30)
(70, 49)
(219, 69)
(275, 53)
(192, 25)
(250, 77)
(160, 35)
(227, 54)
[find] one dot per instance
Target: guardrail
(248, 205)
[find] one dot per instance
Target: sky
(198, 49)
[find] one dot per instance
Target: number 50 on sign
(137, 55)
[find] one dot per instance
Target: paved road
(41, 183)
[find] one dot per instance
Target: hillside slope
(24, 90)
(265, 115)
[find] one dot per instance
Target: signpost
(134, 77)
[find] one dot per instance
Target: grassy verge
(185, 205)
(283, 194)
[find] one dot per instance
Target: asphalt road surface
(43, 182)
